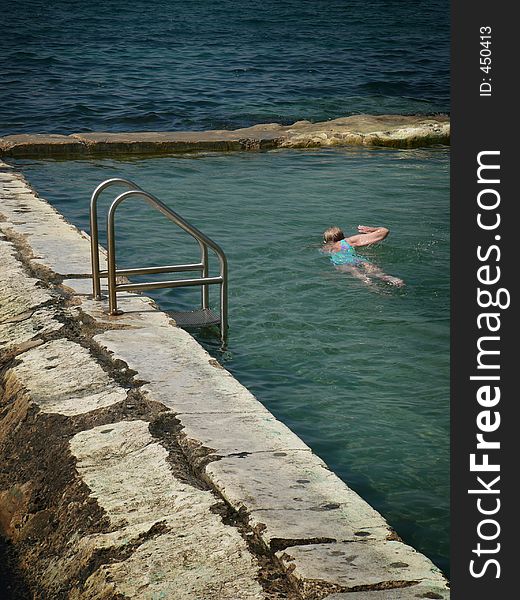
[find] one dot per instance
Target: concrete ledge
(50, 375)
(137, 467)
(361, 565)
(196, 555)
(425, 591)
(399, 131)
(41, 145)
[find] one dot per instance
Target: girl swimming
(344, 257)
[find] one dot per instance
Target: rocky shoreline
(395, 131)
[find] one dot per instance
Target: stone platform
(396, 131)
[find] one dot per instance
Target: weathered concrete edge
(95, 495)
(232, 491)
(396, 131)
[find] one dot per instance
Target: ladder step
(202, 317)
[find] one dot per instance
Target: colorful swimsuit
(346, 255)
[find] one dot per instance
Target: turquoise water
(360, 373)
(70, 66)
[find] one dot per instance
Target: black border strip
(483, 124)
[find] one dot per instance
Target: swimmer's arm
(368, 235)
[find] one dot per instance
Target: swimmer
(344, 257)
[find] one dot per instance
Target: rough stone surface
(26, 309)
(182, 374)
(399, 131)
(54, 243)
(196, 557)
(424, 591)
(63, 378)
(242, 433)
(39, 144)
(17, 336)
(21, 294)
(294, 496)
(365, 563)
(139, 530)
(196, 565)
(175, 142)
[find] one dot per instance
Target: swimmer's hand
(367, 236)
(366, 229)
(393, 280)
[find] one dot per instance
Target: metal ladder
(197, 318)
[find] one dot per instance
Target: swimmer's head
(332, 235)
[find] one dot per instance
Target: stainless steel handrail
(204, 242)
(94, 236)
(203, 266)
(157, 285)
(165, 269)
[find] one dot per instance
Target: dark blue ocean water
(70, 66)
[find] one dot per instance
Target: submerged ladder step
(201, 317)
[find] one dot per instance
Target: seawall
(134, 466)
(397, 131)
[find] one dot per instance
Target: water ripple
(202, 64)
